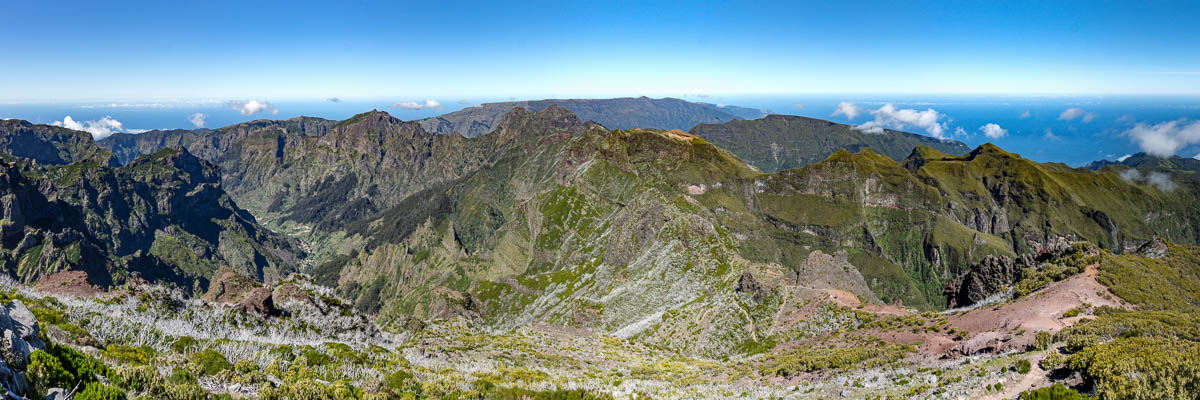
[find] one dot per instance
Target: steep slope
(619, 113)
(49, 145)
(779, 142)
(162, 216)
(664, 237)
(208, 144)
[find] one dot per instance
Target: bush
(1052, 361)
(1056, 392)
(211, 362)
(1043, 340)
(1022, 367)
(99, 391)
(46, 371)
(185, 345)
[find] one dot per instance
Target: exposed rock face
(1156, 248)
(243, 292)
(20, 339)
(989, 276)
(163, 216)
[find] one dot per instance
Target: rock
(18, 340)
(23, 320)
(989, 276)
(748, 285)
(259, 301)
(57, 394)
(1156, 248)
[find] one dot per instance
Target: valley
(539, 253)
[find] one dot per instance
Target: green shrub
(128, 355)
(185, 345)
(45, 371)
(1056, 392)
(802, 360)
(1052, 361)
(99, 391)
(181, 376)
(1142, 368)
(1022, 367)
(1042, 340)
(210, 361)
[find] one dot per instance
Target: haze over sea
(1034, 126)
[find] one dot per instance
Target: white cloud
(100, 129)
(334, 100)
(1166, 138)
(1159, 180)
(412, 105)
(798, 106)
(1124, 157)
(1025, 114)
(1070, 114)
(889, 117)
(197, 119)
(850, 110)
(1049, 135)
(959, 131)
(1197, 157)
(1088, 117)
(464, 102)
(993, 131)
(251, 107)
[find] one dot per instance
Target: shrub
(1022, 367)
(1056, 392)
(99, 391)
(211, 362)
(1052, 361)
(46, 371)
(1042, 340)
(185, 345)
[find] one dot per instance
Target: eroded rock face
(19, 338)
(989, 276)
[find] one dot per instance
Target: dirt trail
(1037, 377)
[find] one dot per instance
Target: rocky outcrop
(989, 276)
(163, 216)
(20, 339)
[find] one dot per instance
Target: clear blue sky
(86, 50)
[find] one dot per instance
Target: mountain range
(734, 238)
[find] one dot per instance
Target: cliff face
(50, 145)
(163, 216)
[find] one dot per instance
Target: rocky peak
(550, 121)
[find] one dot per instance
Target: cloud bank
(197, 119)
(850, 110)
(993, 131)
(251, 107)
(412, 105)
(100, 129)
(1165, 139)
(890, 117)
(1158, 180)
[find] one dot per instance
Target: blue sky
(83, 51)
